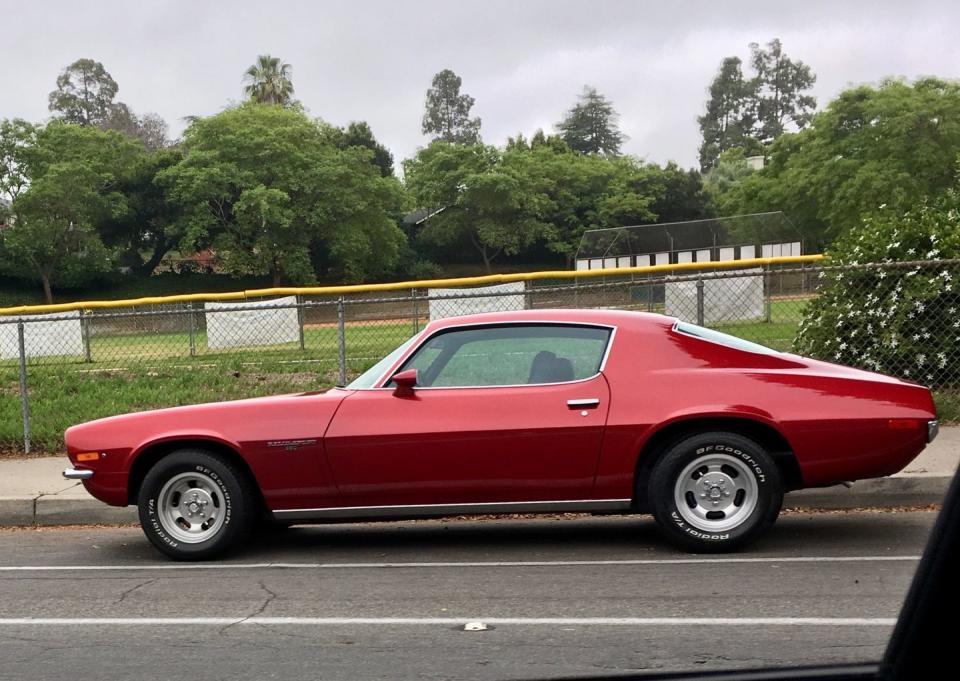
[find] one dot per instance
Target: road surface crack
(270, 595)
(134, 588)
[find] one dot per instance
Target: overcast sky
(523, 61)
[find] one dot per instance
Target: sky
(524, 61)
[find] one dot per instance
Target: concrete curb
(895, 492)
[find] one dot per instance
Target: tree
(478, 198)
(889, 145)
(729, 119)
(150, 129)
(590, 126)
(447, 112)
(268, 81)
(779, 87)
(750, 113)
(533, 194)
(73, 174)
(264, 187)
(152, 225)
(17, 136)
(359, 134)
(730, 167)
(84, 94)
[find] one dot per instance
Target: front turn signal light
(87, 456)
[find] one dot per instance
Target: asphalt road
(563, 597)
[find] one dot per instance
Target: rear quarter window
(720, 338)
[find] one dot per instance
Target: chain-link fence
(59, 369)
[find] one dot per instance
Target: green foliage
(17, 136)
(84, 94)
(750, 113)
(480, 198)
(73, 174)
(590, 126)
(731, 167)
(778, 91)
(265, 187)
(447, 112)
(152, 225)
(359, 134)
(268, 81)
(904, 322)
(541, 191)
(729, 118)
(894, 144)
(150, 129)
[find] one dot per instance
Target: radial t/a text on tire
(195, 504)
(714, 492)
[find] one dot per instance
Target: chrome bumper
(933, 427)
(77, 474)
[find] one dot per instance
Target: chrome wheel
(716, 493)
(191, 507)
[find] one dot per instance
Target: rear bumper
(933, 428)
(78, 474)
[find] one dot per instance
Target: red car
(520, 412)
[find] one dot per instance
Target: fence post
(699, 302)
(85, 330)
(341, 342)
(191, 326)
(24, 397)
(416, 311)
(767, 293)
(300, 320)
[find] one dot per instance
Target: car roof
(606, 317)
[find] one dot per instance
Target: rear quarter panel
(836, 420)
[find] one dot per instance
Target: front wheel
(715, 492)
(195, 505)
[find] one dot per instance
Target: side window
(510, 355)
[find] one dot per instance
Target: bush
(901, 320)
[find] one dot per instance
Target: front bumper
(933, 427)
(78, 474)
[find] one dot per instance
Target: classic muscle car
(523, 412)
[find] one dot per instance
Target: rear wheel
(195, 505)
(715, 492)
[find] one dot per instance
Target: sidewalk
(32, 491)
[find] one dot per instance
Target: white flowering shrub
(894, 319)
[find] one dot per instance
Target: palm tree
(268, 81)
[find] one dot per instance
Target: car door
(501, 413)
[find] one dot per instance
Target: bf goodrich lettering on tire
(195, 504)
(714, 491)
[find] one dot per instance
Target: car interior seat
(548, 368)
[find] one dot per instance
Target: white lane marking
(529, 621)
(456, 564)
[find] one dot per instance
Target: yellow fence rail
(403, 285)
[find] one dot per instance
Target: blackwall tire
(715, 492)
(195, 505)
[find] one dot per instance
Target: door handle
(587, 403)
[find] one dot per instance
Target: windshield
(368, 378)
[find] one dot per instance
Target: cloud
(524, 62)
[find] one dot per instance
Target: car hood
(229, 422)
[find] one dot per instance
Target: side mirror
(404, 383)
